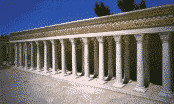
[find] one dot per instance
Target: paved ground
(22, 87)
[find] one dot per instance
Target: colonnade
(98, 59)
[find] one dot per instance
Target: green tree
(4, 37)
(130, 5)
(101, 10)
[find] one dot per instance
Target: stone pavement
(23, 87)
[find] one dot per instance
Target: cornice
(146, 18)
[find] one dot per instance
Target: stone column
(26, 56)
(86, 58)
(74, 64)
(32, 56)
(38, 56)
(16, 54)
(96, 59)
(119, 81)
(63, 57)
(21, 54)
(110, 58)
(82, 61)
(45, 56)
(10, 54)
(140, 70)
(54, 56)
(101, 60)
(166, 67)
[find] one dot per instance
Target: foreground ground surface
(18, 86)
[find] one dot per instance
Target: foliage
(130, 5)
(4, 37)
(101, 10)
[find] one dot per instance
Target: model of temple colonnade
(51, 49)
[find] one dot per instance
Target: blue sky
(18, 15)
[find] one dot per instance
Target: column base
(54, 72)
(20, 67)
(63, 74)
(31, 69)
(164, 93)
(74, 76)
(119, 85)
(38, 69)
(85, 78)
(140, 89)
(25, 68)
(100, 81)
(46, 71)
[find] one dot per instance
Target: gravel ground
(20, 87)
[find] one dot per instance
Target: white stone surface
(119, 81)
(166, 69)
(140, 70)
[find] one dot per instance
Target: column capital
(31, 42)
(44, 42)
(20, 44)
(139, 37)
(164, 37)
(117, 38)
(25, 43)
(52, 41)
(37, 42)
(100, 39)
(61, 41)
(72, 40)
(85, 40)
(15, 44)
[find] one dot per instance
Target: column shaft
(38, 56)
(16, 55)
(140, 70)
(63, 57)
(74, 64)
(45, 56)
(26, 56)
(166, 67)
(32, 56)
(54, 56)
(86, 57)
(21, 54)
(119, 82)
(101, 58)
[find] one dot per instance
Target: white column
(38, 56)
(54, 56)
(101, 60)
(166, 67)
(86, 57)
(119, 81)
(63, 57)
(20, 52)
(45, 56)
(32, 56)
(10, 54)
(140, 70)
(26, 56)
(16, 54)
(74, 64)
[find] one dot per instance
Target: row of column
(166, 86)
